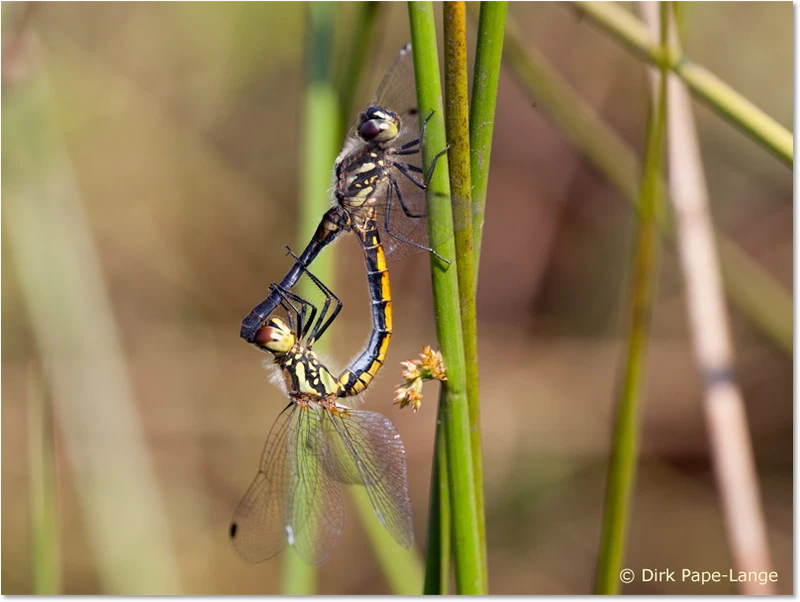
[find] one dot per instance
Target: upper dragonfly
(378, 168)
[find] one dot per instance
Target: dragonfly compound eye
(275, 336)
(378, 125)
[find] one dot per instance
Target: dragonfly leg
(406, 210)
(408, 147)
(422, 129)
(322, 323)
(326, 305)
(303, 324)
(390, 232)
(406, 169)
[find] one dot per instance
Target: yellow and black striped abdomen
(360, 373)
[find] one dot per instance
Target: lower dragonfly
(318, 441)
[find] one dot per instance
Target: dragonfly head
(275, 336)
(378, 125)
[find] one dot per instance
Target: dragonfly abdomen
(334, 222)
(362, 371)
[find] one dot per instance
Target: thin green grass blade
(321, 133)
(625, 444)
(455, 415)
(488, 56)
(72, 321)
(438, 559)
(705, 85)
(45, 557)
(758, 295)
(355, 57)
(401, 567)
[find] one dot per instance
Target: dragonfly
(378, 169)
(319, 440)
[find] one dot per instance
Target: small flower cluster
(429, 366)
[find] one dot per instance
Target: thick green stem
(455, 410)
(457, 125)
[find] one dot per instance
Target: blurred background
(152, 163)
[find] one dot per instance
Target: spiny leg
(407, 148)
(388, 228)
(320, 327)
(406, 210)
(303, 324)
(405, 169)
(292, 313)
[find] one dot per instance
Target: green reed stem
(455, 410)
(705, 85)
(757, 293)
(625, 444)
(438, 558)
(401, 567)
(45, 557)
(488, 55)
(363, 22)
(321, 139)
(457, 126)
(61, 284)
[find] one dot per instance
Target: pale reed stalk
(729, 437)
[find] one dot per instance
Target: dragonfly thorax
(305, 377)
(361, 176)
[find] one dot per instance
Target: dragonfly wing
(367, 444)
(398, 93)
(410, 228)
(258, 527)
(315, 505)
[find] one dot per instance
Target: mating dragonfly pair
(319, 440)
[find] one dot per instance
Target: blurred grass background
(178, 126)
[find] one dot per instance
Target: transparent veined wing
(365, 448)
(292, 499)
(258, 528)
(398, 93)
(315, 508)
